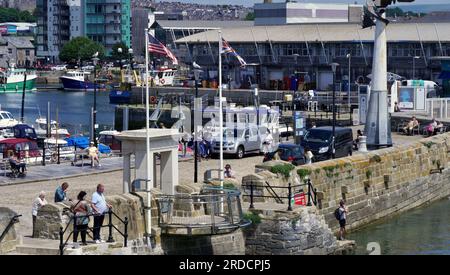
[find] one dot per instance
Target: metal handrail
(62, 231)
(219, 210)
(13, 220)
(312, 193)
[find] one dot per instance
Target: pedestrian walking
(37, 204)
(341, 215)
(81, 210)
(100, 207)
(308, 155)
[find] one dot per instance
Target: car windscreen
(317, 136)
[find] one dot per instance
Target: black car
(319, 141)
(292, 153)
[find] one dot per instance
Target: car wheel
(240, 152)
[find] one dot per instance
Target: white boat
(7, 120)
(65, 152)
(164, 77)
(41, 126)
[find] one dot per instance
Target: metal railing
(110, 225)
(14, 219)
(438, 107)
(217, 209)
(291, 190)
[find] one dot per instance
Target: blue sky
(251, 2)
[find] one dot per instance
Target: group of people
(81, 208)
(431, 129)
(204, 146)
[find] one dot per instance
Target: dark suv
(319, 140)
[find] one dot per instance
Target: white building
(294, 13)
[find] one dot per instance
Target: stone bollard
(362, 144)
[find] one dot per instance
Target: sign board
(299, 125)
(355, 117)
(420, 98)
(406, 98)
(300, 199)
(363, 100)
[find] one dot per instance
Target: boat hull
(77, 85)
(17, 87)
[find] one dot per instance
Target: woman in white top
(308, 156)
(267, 144)
(37, 204)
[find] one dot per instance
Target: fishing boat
(122, 95)
(164, 77)
(77, 81)
(12, 80)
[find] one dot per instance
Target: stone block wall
(11, 239)
(384, 182)
(300, 232)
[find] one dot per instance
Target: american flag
(154, 46)
(226, 48)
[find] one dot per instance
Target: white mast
(147, 141)
(220, 110)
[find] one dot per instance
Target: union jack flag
(155, 46)
(226, 48)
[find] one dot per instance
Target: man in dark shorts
(343, 210)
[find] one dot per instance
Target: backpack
(337, 214)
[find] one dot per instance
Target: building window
(76, 28)
(9, 51)
(115, 38)
(115, 7)
(27, 52)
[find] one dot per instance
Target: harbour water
(73, 108)
(423, 231)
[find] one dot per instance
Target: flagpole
(220, 110)
(147, 141)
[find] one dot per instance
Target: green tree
(250, 16)
(81, 49)
(14, 15)
(115, 54)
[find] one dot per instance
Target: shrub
(254, 218)
(303, 173)
(283, 169)
(368, 174)
(375, 158)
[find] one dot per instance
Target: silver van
(239, 142)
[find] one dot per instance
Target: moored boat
(77, 81)
(12, 80)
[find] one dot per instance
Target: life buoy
(153, 99)
(162, 81)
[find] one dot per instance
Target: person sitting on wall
(434, 127)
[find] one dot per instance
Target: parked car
(320, 140)
(292, 153)
(59, 68)
(239, 142)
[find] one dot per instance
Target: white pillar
(169, 171)
(126, 173)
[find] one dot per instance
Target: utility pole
(333, 142)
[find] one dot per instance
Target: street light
(414, 66)
(130, 53)
(333, 67)
(197, 72)
(349, 56)
(119, 50)
(94, 135)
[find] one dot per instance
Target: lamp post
(130, 53)
(333, 151)
(94, 135)
(119, 50)
(196, 76)
(349, 56)
(414, 66)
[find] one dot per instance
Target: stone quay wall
(300, 232)
(11, 239)
(381, 183)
